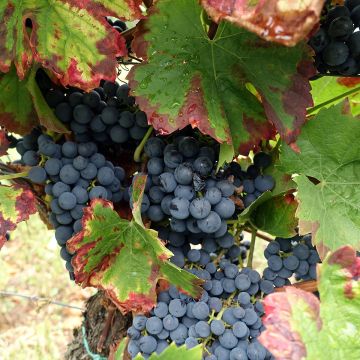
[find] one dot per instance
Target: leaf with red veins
(4, 142)
(298, 326)
(124, 259)
(83, 46)
(22, 105)
(234, 87)
(282, 21)
(16, 205)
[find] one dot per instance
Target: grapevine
(173, 147)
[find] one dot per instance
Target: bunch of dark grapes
(226, 319)
(201, 249)
(286, 257)
(254, 181)
(337, 42)
(73, 175)
(104, 115)
(183, 186)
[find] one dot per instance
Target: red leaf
(286, 22)
(4, 143)
(279, 336)
(17, 204)
(80, 47)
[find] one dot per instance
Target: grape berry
(337, 42)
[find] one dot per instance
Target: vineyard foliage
(242, 74)
(295, 318)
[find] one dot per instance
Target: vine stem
(308, 285)
(139, 149)
(260, 235)
(218, 258)
(231, 222)
(14, 176)
(106, 329)
(226, 305)
(252, 248)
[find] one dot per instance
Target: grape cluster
(254, 181)
(73, 175)
(104, 115)
(226, 319)
(181, 186)
(337, 42)
(286, 257)
(201, 249)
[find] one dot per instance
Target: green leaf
(298, 326)
(245, 216)
(16, 205)
(328, 168)
(124, 258)
(286, 22)
(17, 113)
(172, 352)
(331, 90)
(277, 216)
(71, 38)
(226, 154)
(208, 81)
(22, 105)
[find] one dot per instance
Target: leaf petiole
(14, 176)
(139, 149)
(252, 248)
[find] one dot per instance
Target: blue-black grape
(154, 147)
(69, 175)
(67, 201)
(37, 175)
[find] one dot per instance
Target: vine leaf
(277, 216)
(331, 90)
(286, 22)
(328, 167)
(246, 215)
(4, 142)
(71, 38)
(16, 205)
(298, 326)
(22, 105)
(210, 84)
(124, 258)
